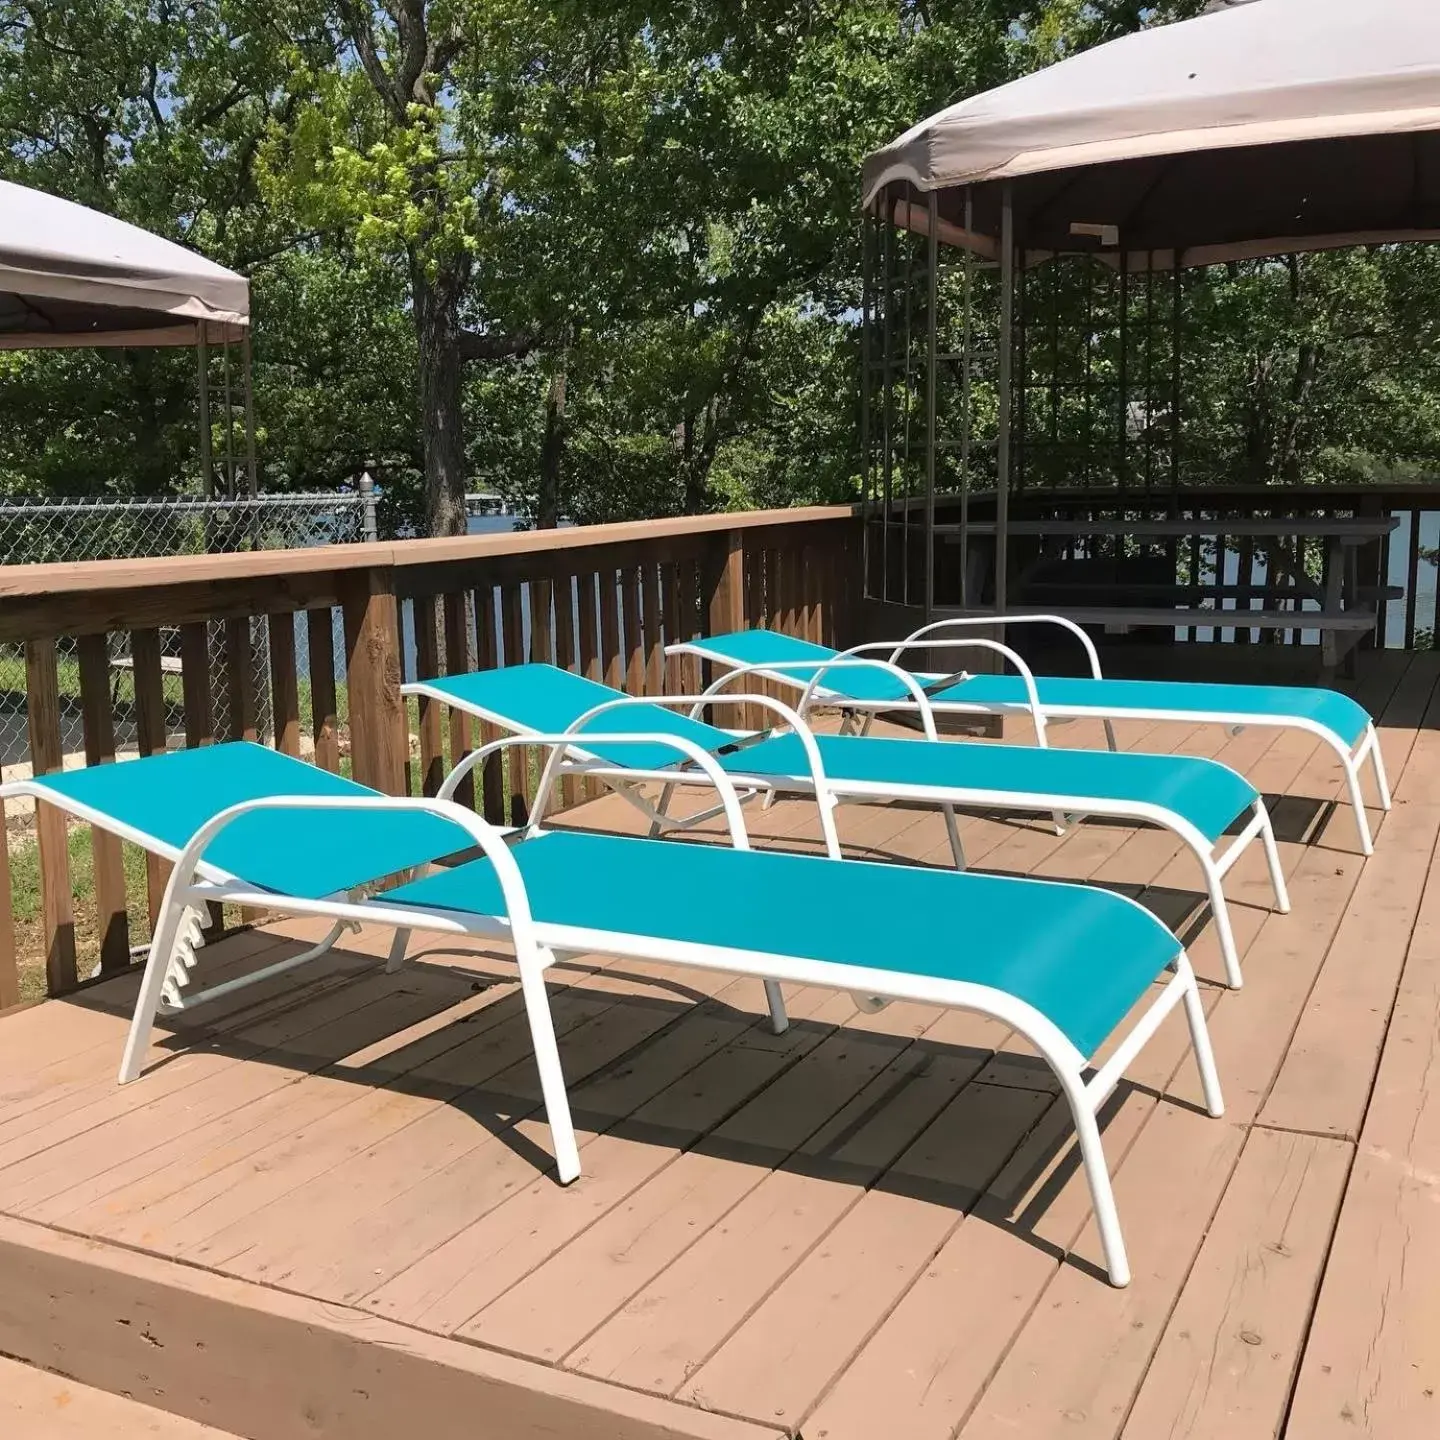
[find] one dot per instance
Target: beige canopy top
(72, 276)
(1262, 127)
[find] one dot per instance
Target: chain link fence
(59, 531)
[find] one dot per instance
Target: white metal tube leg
(397, 951)
(1272, 858)
(952, 829)
(552, 1077)
(662, 806)
(1097, 1175)
(1220, 911)
(1200, 1039)
(152, 985)
(775, 1001)
(1382, 781)
(1110, 734)
(1357, 801)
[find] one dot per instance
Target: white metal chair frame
(193, 884)
(1214, 862)
(1352, 760)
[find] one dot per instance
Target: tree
(153, 112)
(373, 146)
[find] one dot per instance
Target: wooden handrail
(225, 632)
(90, 577)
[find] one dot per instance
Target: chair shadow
(343, 1023)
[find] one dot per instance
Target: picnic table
(1346, 609)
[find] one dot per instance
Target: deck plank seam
(908, 1048)
(534, 1104)
(740, 1103)
(213, 1037)
(334, 1069)
(1312, 1306)
(859, 1195)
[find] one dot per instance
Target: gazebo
(1260, 128)
(73, 277)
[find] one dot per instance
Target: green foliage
(619, 241)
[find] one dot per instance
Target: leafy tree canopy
(602, 258)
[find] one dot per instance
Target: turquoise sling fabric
(1336, 712)
(1081, 957)
(545, 700)
(542, 699)
(1209, 795)
(304, 853)
(761, 647)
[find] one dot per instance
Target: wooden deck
(325, 1209)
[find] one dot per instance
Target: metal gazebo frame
(1258, 129)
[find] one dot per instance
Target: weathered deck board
(1372, 1361)
(1227, 1359)
(873, 1225)
(35, 1405)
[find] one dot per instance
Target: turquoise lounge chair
(830, 677)
(1198, 800)
(1062, 965)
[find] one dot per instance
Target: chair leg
(1110, 734)
(1220, 911)
(775, 1002)
(1357, 802)
(552, 1077)
(662, 806)
(1200, 1039)
(152, 986)
(1382, 781)
(1272, 859)
(952, 829)
(397, 951)
(1097, 1175)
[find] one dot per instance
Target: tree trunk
(437, 333)
(552, 451)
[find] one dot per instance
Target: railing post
(378, 740)
(9, 961)
(52, 834)
(724, 599)
(725, 583)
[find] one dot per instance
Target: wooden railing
(604, 600)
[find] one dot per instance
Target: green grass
(25, 898)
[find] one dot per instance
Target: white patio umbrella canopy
(70, 276)
(1332, 105)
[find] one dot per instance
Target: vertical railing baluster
(592, 664)
(632, 640)
(654, 648)
(149, 678)
(42, 702)
(9, 956)
(112, 922)
(284, 682)
(487, 657)
(324, 717)
(517, 760)
(430, 712)
(457, 662)
(564, 601)
(378, 740)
